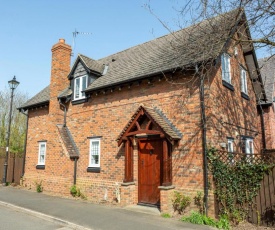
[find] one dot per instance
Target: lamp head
(13, 83)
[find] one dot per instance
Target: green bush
(198, 218)
(180, 202)
(166, 215)
(198, 200)
(75, 191)
(39, 187)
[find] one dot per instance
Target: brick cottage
(133, 127)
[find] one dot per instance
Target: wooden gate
(263, 211)
(15, 168)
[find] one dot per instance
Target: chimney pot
(62, 40)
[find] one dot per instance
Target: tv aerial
(75, 33)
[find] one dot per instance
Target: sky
(29, 29)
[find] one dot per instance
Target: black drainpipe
(65, 112)
(262, 125)
(75, 169)
(204, 147)
(25, 144)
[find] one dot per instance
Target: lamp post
(12, 84)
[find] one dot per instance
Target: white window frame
(226, 67)
(248, 148)
(230, 145)
(91, 153)
(40, 153)
(230, 149)
(78, 95)
(243, 81)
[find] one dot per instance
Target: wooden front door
(150, 152)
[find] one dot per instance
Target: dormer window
(80, 84)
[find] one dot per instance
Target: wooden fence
(262, 212)
(15, 168)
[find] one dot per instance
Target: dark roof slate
(182, 48)
(65, 93)
(43, 97)
(68, 141)
(267, 68)
(92, 64)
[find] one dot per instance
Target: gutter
(25, 145)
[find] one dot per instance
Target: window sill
(93, 169)
(228, 85)
(166, 187)
(245, 96)
(80, 101)
(40, 166)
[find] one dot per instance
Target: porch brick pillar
(167, 178)
(128, 173)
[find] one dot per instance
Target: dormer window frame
(78, 93)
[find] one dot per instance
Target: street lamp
(13, 84)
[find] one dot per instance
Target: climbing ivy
(236, 184)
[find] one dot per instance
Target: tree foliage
(260, 15)
(18, 120)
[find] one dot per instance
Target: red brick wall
(229, 114)
(269, 119)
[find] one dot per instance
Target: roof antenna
(74, 37)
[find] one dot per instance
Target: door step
(153, 210)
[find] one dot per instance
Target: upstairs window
(42, 153)
(80, 84)
(243, 81)
(94, 160)
(226, 75)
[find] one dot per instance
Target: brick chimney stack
(61, 58)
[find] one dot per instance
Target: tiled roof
(267, 68)
(188, 46)
(43, 97)
(68, 141)
(159, 118)
(92, 64)
(65, 93)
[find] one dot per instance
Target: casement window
(230, 146)
(94, 156)
(247, 147)
(226, 75)
(42, 153)
(80, 84)
(243, 81)
(230, 149)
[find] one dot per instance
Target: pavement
(78, 214)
